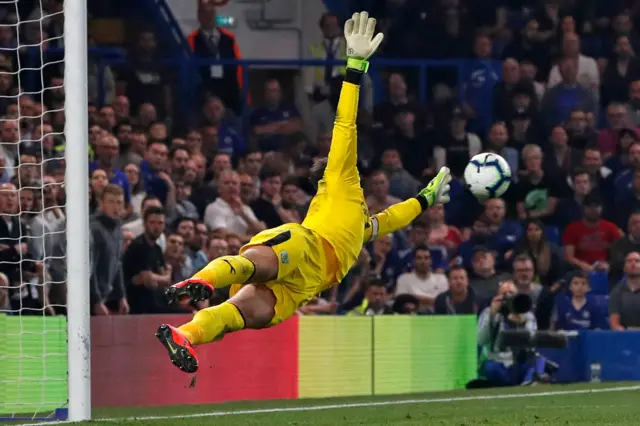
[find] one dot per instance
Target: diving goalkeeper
(283, 268)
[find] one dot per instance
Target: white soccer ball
(487, 176)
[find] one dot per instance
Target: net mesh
(33, 348)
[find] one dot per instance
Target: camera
(516, 304)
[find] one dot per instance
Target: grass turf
(486, 407)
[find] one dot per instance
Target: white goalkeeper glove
(361, 44)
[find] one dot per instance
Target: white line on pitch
(355, 405)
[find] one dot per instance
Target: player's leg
(258, 263)
(251, 307)
(297, 264)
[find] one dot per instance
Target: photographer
(503, 366)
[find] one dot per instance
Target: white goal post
(77, 208)
(45, 359)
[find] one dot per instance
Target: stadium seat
(553, 234)
(599, 283)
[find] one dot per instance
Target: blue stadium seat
(599, 283)
(553, 234)
(602, 301)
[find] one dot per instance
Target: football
(487, 176)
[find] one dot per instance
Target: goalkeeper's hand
(361, 44)
(438, 189)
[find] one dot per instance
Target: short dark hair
(153, 210)
(185, 219)
(175, 149)
(580, 274)
(578, 171)
(268, 173)
(421, 247)
(326, 16)
(457, 268)
(291, 180)
(376, 282)
(148, 198)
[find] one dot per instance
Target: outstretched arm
(400, 215)
(343, 155)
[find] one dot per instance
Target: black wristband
(424, 204)
(353, 76)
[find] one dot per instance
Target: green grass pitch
(584, 405)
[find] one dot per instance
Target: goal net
(36, 131)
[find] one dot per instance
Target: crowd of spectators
(553, 86)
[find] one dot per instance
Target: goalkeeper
(283, 268)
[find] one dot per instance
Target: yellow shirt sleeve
(343, 154)
(396, 217)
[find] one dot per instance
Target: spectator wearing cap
(587, 241)
(608, 137)
(497, 143)
(511, 86)
(624, 300)
(630, 242)
(523, 127)
(619, 73)
(274, 121)
(457, 146)
(566, 95)
(213, 42)
(459, 299)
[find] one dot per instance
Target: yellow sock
(227, 270)
(212, 323)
